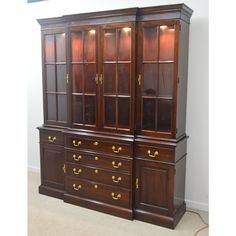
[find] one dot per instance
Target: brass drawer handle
(96, 186)
(76, 143)
(77, 158)
(118, 196)
(116, 180)
(152, 155)
(96, 171)
(116, 151)
(76, 188)
(96, 158)
(116, 166)
(51, 139)
(77, 172)
(95, 143)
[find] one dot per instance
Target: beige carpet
(52, 217)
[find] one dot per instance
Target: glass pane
(123, 112)
(89, 111)
(110, 111)
(77, 47)
(77, 109)
(110, 45)
(150, 43)
(166, 77)
(123, 71)
(61, 78)
(150, 79)
(109, 78)
(77, 78)
(89, 46)
(124, 53)
(49, 48)
(60, 47)
(89, 78)
(167, 40)
(164, 115)
(149, 112)
(50, 78)
(62, 107)
(51, 107)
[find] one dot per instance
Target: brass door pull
(137, 186)
(64, 168)
(96, 78)
(77, 172)
(118, 196)
(139, 80)
(76, 188)
(101, 79)
(51, 139)
(95, 143)
(116, 151)
(116, 180)
(152, 155)
(77, 158)
(116, 166)
(76, 143)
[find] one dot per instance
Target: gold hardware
(136, 183)
(78, 187)
(95, 186)
(51, 139)
(116, 166)
(76, 144)
(95, 143)
(116, 180)
(96, 158)
(116, 151)
(152, 155)
(77, 158)
(100, 79)
(96, 171)
(117, 196)
(139, 79)
(96, 78)
(76, 172)
(64, 168)
(67, 78)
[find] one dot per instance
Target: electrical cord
(204, 222)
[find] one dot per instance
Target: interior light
(126, 29)
(92, 31)
(162, 27)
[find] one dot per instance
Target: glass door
(55, 78)
(117, 77)
(156, 77)
(83, 62)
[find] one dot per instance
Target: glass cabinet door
(156, 77)
(83, 62)
(55, 82)
(117, 73)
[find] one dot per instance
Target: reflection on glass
(60, 47)
(110, 111)
(50, 78)
(124, 47)
(89, 46)
(150, 43)
(150, 79)
(49, 48)
(61, 78)
(123, 112)
(62, 107)
(78, 109)
(77, 78)
(109, 78)
(77, 46)
(89, 110)
(89, 76)
(164, 115)
(123, 73)
(109, 45)
(149, 111)
(51, 106)
(166, 76)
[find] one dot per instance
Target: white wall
(197, 108)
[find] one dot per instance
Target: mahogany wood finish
(114, 92)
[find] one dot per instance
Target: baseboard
(34, 169)
(197, 205)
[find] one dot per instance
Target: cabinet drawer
(99, 175)
(102, 161)
(157, 153)
(51, 137)
(81, 143)
(97, 191)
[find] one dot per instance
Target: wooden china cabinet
(114, 92)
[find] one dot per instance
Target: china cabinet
(114, 96)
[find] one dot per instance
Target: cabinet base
(52, 192)
(99, 206)
(165, 221)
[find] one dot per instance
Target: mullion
(116, 82)
(83, 81)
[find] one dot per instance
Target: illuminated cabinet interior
(114, 95)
